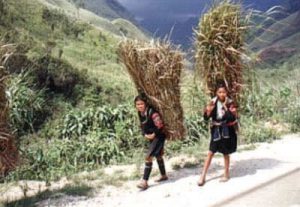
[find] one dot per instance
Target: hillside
(103, 19)
(109, 9)
(59, 67)
(277, 42)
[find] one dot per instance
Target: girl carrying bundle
(153, 130)
(223, 114)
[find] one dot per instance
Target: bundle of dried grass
(219, 47)
(155, 69)
(8, 150)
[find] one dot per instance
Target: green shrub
(86, 139)
(59, 158)
(266, 103)
(129, 135)
(58, 75)
(3, 11)
(59, 21)
(253, 131)
(197, 129)
(80, 122)
(28, 105)
(197, 132)
(293, 116)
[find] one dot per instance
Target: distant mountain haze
(294, 5)
(160, 17)
(177, 19)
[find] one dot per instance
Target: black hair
(220, 85)
(141, 97)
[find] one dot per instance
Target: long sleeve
(141, 124)
(205, 116)
(142, 130)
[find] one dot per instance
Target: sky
(179, 10)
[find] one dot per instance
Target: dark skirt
(156, 147)
(224, 145)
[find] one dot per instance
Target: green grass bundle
(219, 47)
(155, 69)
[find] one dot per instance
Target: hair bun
(220, 84)
(143, 95)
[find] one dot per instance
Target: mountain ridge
(127, 29)
(177, 19)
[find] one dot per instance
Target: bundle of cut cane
(220, 47)
(8, 150)
(155, 69)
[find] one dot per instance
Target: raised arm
(208, 110)
(231, 112)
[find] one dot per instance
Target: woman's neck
(222, 101)
(144, 113)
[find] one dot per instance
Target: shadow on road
(238, 169)
(250, 166)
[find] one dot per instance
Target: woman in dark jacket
(222, 111)
(152, 129)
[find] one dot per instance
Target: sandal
(143, 186)
(224, 179)
(201, 183)
(162, 179)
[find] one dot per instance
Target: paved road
(250, 170)
(267, 176)
(282, 192)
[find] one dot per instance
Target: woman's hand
(209, 108)
(150, 136)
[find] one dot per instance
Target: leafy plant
(78, 123)
(293, 116)
(63, 157)
(253, 131)
(27, 104)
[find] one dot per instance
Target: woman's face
(140, 106)
(221, 94)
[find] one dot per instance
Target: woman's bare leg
(205, 168)
(226, 168)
